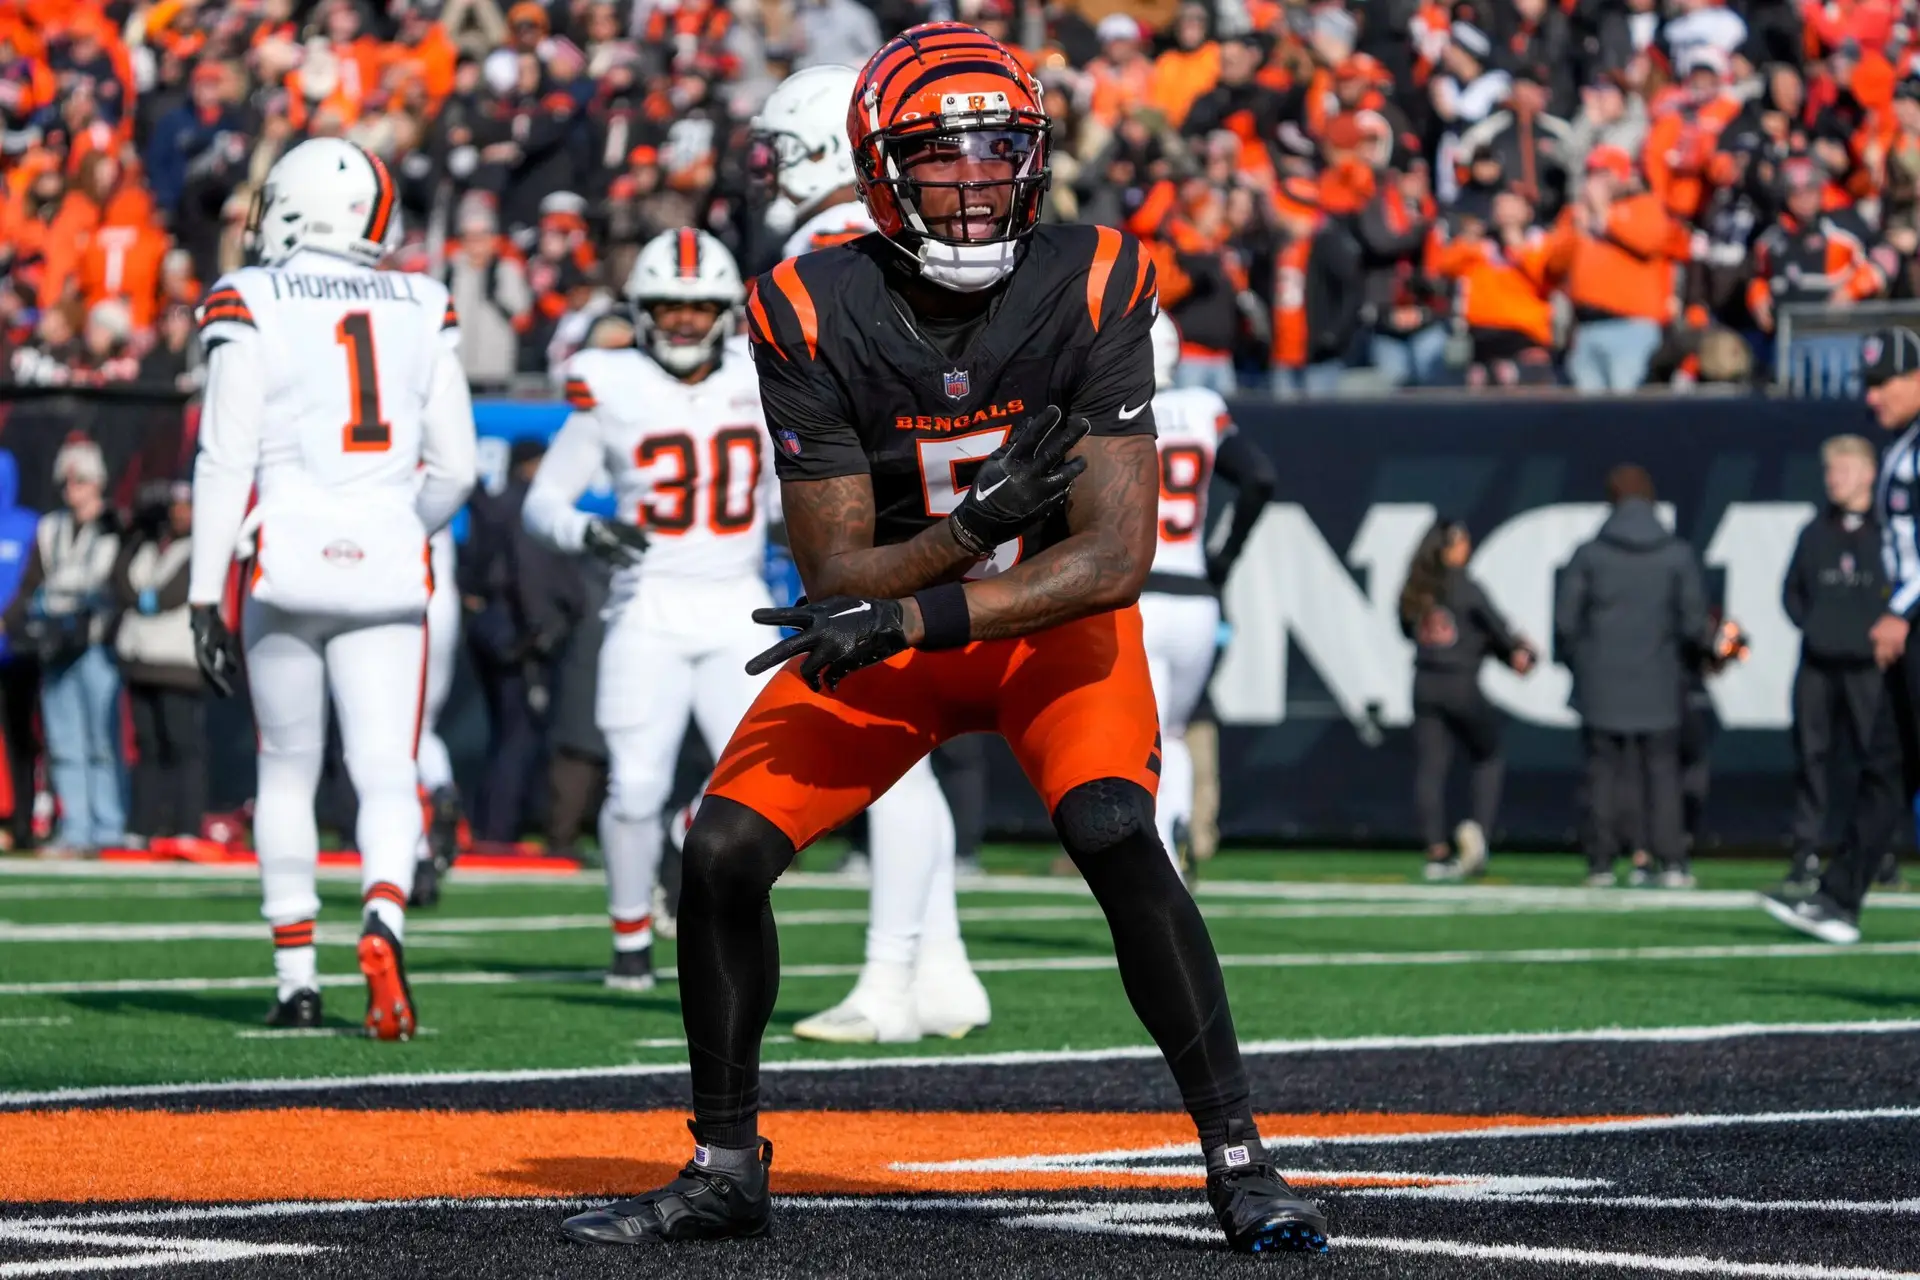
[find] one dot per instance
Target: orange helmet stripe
(689, 253)
(382, 201)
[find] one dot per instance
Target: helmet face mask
(686, 296)
(950, 144)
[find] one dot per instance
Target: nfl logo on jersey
(790, 441)
(956, 384)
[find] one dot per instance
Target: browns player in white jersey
(803, 124)
(676, 422)
(1180, 607)
(334, 393)
(916, 979)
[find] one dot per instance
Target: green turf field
(144, 978)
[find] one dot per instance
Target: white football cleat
(879, 1010)
(1470, 848)
(948, 997)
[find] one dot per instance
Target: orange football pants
(1073, 702)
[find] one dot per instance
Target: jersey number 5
(940, 463)
(366, 431)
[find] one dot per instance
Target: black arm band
(944, 621)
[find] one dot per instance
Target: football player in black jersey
(960, 407)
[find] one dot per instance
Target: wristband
(969, 542)
(944, 621)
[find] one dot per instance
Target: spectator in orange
(1490, 247)
(1122, 76)
(1810, 256)
(73, 225)
(1189, 69)
(27, 88)
(363, 60)
(123, 258)
(1317, 295)
(425, 53)
(1240, 104)
(1614, 250)
(1680, 146)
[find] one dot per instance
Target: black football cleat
(721, 1195)
(443, 827)
(390, 1014)
(426, 884)
(631, 971)
(1256, 1208)
(299, 1010)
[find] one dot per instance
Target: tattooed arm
(830, 533)
(1100, 565)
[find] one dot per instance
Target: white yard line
(147, 1251)
(1640, 1264)
(1468, 1188)
(1058, 964)
(1008, 1058)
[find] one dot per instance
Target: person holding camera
(63, 615)
(164, 686)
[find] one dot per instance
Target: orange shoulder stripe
(579, 395)
(757, 318)
(1139, 274)
(451, 320)
(1105, 253)
(787, 277)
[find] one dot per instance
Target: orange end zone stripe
(787, 276)
(243, 1155)
(1106, 252)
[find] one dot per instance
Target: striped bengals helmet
(684, 265)
(935, 98)
(327, 195)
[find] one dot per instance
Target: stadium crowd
(1345, 194)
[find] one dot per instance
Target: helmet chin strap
(966, 268)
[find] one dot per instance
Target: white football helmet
(804, 122)
(686, 265)
(327, 195)
(1166, 350)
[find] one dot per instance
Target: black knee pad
(1105, 816)
(732, 855)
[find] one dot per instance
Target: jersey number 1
(366, 431)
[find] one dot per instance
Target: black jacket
(1835, 589)
(522, 596)
(1336, 293)
(1457, 634)
(1629, 618)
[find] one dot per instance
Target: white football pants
(374, 670)
(678, 648)
(443, 641)
(910, 830)
(1179, 634)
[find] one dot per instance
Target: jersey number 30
(366, 431)
(734, 479)
(940, 463)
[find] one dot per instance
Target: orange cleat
(390, 1013)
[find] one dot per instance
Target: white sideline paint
(1470, 1189)
(1007, 1058)
(1027, 1212)
(153, 1251)
(1049, 964)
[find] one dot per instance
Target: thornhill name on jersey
(383, 287)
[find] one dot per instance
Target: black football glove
(839, 635)
(620, 544)
(1020, 481)
(213, 648)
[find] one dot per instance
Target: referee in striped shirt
(1890, 369)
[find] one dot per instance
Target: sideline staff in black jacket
(1835, 591)
(1629, 617)
(1455, 628)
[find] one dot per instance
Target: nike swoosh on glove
(1020, 481)
(839, 635)
(620, 544)
(213, 648)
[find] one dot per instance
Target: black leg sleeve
(729, 962)
(1432, 752)
(1167, 961)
